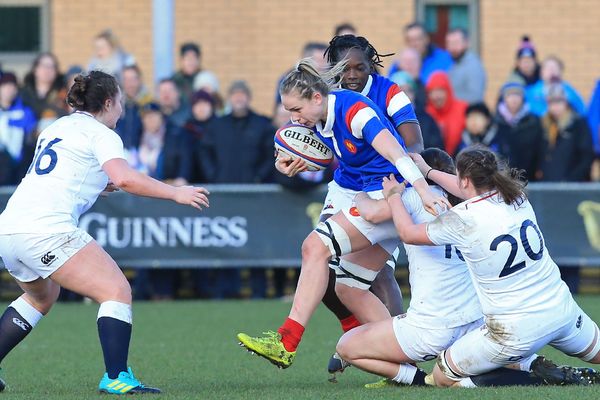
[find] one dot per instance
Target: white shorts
(337, 199)
(491, 346)
(424, 344)
(29, 256)
(383, 234)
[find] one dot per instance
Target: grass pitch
(189, 350)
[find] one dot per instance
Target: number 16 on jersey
(39, 156)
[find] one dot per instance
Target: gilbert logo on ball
(298, 141)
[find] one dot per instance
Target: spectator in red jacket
(446, 110)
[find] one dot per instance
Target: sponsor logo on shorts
(579, 322)
(354, 212)
(328, 207)
(48, 258)
(350, 146)
(20, 324)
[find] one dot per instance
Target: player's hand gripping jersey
(65, 176)
(442, 293)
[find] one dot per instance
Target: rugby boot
(269, 347)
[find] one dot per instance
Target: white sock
(525, 364)
(27, 311)
(406, 374)
(116, 310)
(466, 383)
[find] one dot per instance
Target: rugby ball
(300, 141)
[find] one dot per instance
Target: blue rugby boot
(125, 383)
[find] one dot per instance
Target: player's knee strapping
(335, 238)
(393, 260)
(354, 275)
(116, 310)
(444, 366)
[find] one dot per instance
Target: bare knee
(43, 300)
(344, 348)
(313, 249)
(119, 291)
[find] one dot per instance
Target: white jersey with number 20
(65, 176)
(506, 254)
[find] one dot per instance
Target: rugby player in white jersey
(77, 158)
(525, 303)
(443, 308)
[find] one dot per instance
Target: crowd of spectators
(187, 132)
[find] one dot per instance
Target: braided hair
(339, 46)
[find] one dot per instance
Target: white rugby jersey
(505, 250)
(65, 177)
(442, 293)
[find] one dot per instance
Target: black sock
(419, 379)
(505, 377)
(332, 302)
(13, 329)
(114, 339)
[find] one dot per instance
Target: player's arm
(387, 145)
(409, 232)
(128, 179)
(413, 138)
(371, 210)
(401, 111)
(447, 181)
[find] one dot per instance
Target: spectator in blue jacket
(552, 72)
(17, 126)
(432, 57)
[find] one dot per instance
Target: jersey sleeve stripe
(397, 102)
(360, 120)
(391, 92)
(356, 107)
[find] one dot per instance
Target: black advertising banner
(264, 226)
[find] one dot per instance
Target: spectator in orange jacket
(446, 110)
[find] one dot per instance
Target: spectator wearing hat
(432, 136)
(466, 74)
(17, 126)
(171, 105)
(447, 111)
(521, 129)
(190, 69)
(552, 72)
(481, 129)
(527, 68)
(567, 151)
(197, 131)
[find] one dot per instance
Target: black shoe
(336, 365)
(553, 374)
(590, 375)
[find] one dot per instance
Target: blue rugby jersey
(395, 104)
(352, 123)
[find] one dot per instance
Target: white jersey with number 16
(65, 176)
